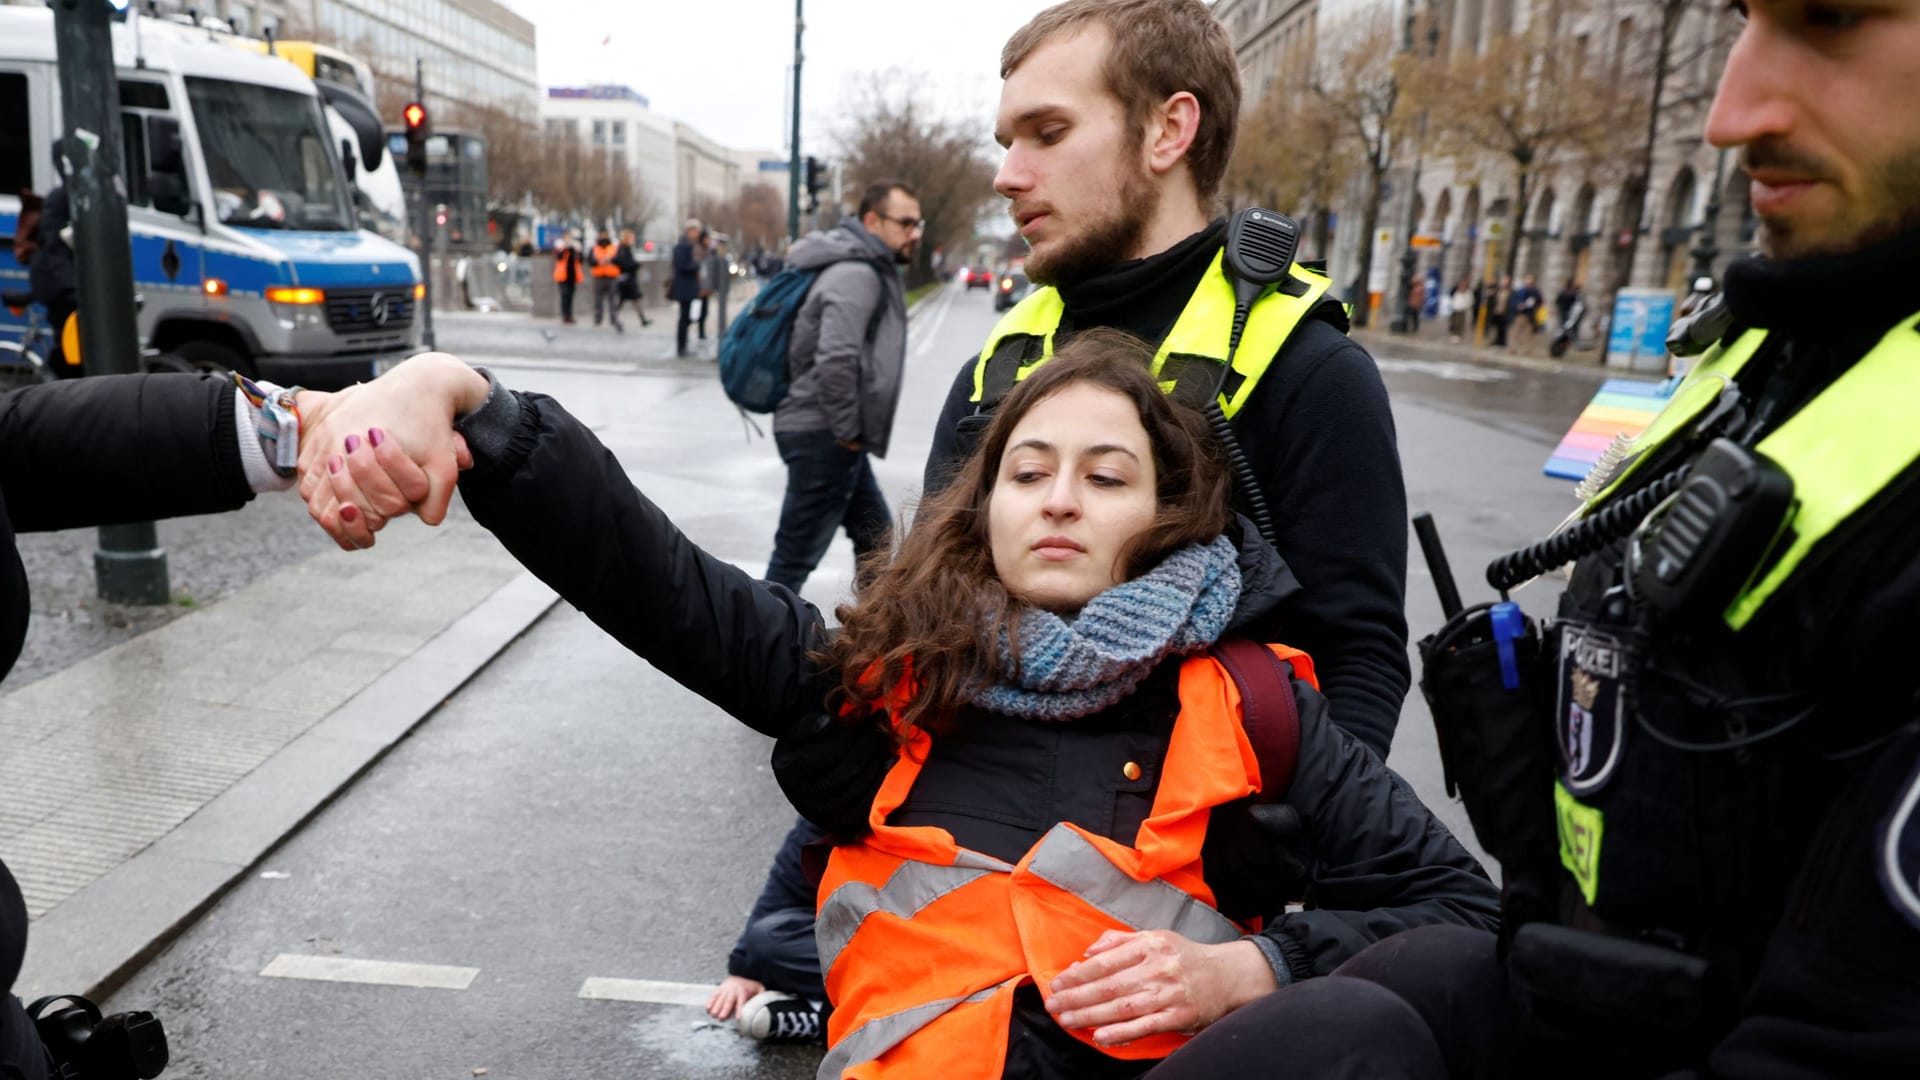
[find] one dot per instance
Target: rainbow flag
(1622, 407)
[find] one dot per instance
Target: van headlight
(298, 308)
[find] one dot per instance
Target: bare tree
(1288, 155)
(1532, 96)
(1360, 97)
(892, 132)
(761, 211)
(1651, 58)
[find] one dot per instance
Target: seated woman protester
(1035, 766)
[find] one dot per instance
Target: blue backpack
(753, 355)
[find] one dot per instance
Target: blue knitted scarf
(1077, 667)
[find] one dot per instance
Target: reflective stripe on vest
(1842, 448)
(879, 1035)
(1067, 861)
(1188, 360)
(909, 915)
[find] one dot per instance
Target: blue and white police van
(247, 251)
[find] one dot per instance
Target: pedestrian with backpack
(845, 354)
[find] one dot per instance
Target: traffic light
(440, 214)
(415, 115)
(816, 181)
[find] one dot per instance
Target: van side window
(16, 142)
(138, 100)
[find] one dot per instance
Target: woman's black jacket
(98, 451)
(561, 502)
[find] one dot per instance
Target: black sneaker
(777, 1017)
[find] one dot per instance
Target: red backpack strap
(1267, 711)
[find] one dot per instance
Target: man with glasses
(844, 359)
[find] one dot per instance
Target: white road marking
(647, 990)
(375, 972)
(1444, 369)
(939, 316)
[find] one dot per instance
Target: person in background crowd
(717, 281)
(685, 287)
(604, 264)
(630, 283)
(566, 274)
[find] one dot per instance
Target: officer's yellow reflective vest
(1188, 361)
(1842, 449)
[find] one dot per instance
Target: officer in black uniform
(1703, 777)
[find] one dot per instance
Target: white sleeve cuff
(260, 475)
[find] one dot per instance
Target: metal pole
(1404, 322)
(129, 567)
(793, 159)
(421, 215)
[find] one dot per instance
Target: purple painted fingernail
(376, 437)
(333, 464)
(353, 443)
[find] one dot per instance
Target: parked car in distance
(980, 277)
(1012, 289)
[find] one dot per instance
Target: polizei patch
(1899, 861)
(1590, 720)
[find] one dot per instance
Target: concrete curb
(1582, 366)
(92, 941)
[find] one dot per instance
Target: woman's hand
(1132, 985)
(733, 992)
(380, 449)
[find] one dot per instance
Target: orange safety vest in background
(603, 261)
(923, 942)
(566, 265)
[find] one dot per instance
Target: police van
(247, 249)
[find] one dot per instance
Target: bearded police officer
(1713, 867)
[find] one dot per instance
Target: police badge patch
(1899, 861)
(1590, 721)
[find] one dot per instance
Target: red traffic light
(648, 246)
(416, 115)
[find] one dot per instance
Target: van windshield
(269, 157)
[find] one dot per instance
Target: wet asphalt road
(572, 814)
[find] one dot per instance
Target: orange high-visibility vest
(603, 261)
(566, 266)
(923, 942)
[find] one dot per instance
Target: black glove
(1257, 858)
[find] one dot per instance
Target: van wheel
(203, 356)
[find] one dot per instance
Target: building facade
(1581, 223)
(708, 172)
(476, 54)
(621, 120)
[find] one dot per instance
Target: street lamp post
(793, 158)
(130, 567)
(1404, 322)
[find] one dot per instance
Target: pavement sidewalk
(142, 782)
(1583, 365)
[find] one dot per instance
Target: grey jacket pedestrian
(716, 275)
(849, 341)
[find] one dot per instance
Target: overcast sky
(722, 65)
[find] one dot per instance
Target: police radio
(1695, 551)
(1259, 253)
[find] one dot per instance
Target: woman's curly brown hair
(934, 606)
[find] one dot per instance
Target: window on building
(599, 133)
(619, 133)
